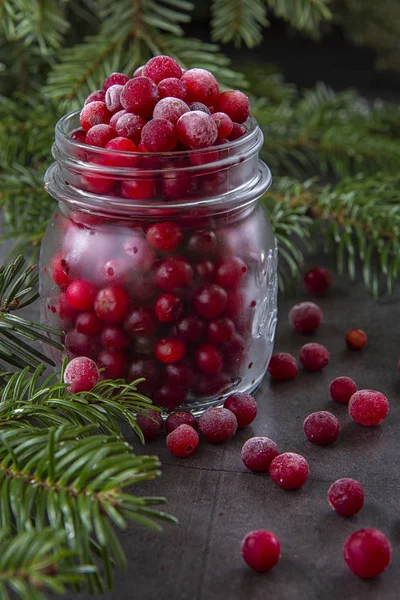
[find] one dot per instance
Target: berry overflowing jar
(159, 262)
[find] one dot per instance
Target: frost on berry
(130, 126)
(235, 104)
(81, 374)
(183, 441)
(160, 67)
(305, 317)
(115, 79)
(258, 453)
(196, 129)
(217, 424)
(140, 95)
(243, 406)
(201, 85)
(368, 407)
(172, 87)
(283, 367)
(159, 135)
(289, 470)
(342, 389)
(321, 428)
(170, 109)
(346, 497)
(314, 357)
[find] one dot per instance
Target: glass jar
(162, 266)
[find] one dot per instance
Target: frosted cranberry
(368, 407)
(138, 72)
(317, 281)
(138, 189)
(96, 96)
(258, 453)
(205, 270)
(94, 113)
(235, 104)
(141, 321)
(224, 124)
(220, 330)
(190, 329)
(79, 136)
(237, 132)
(113, 97)
(173, 272)
(175, 419)
(88, 323)
(172, 87)
(170, 109)
(120, 144)
(151, 423)
(140, 95)
(217, 424)
(80, 344)
(80, 294)
(346, 497)
(356, 339)
(210, 300)
(170, 350)
(99, 135)
(200, 106)
(130, 126)
(159, 135)
(168, 308)
(196, 129)
(202, 244)
(367, 552)
(243, 406)
(114, 338)
(183, 441)
(283, 367)
(289, 470)
(305, 317)
(59, 270)
(176, 187)
(342, 389)
(181, 375)
(112, 304)
(164, 236)
(169, 396)
(261, 550)
(81, 374)
(140, 254)
(314, 357)
(160, 67)
(321, 428)
(229, 272)
(115, 79)
(149, 370)
(208, 358)
(201, 86)
(116, 116)
(113, 363)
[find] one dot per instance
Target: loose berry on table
(305, 317)
(243, 406)
(175, 419)
(81, 374)
(289, 470)
(367, 552)
(317, 281)
(183, 441)
(314, 357)
(151, 423)
(368, 407)
(283, 367)
(342, 389)
(217, 424)
(356, 339)
(261, 550)
(258, 453)
(321, 428)
(346, 497)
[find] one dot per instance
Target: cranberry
(65, 310)
(120, 145)
(175, 419)
(170, 350)
(130, 126)
(138, 189)
(243, 406)
(113, 338)
(112, 304)
(195, 129)
(173, 272)
(116, 116)
(183, 441)
(94, 113)
(169, 396)
(368, 407)
(258, 453)
(59, 270)
(172, 87)
(317, 281)
(168, 308)
(224, 124)
(204, 158)
(79, 136)
(208, 358)
(80, 344)
(235, 104)
(205, 270)
(283, 367)
(115, 79)
(140, 254)
(314, 357)
(149, 370)
(220, 330)
(115, 271)
(202, 244)
(289, 470)
(88, 323)
(201, 86)
(321, 428)
(96, 96)
(261, 550)
(235, 350)
(138, 72)
(210, 300)
(367, 552)
(160, 67)
(212, 385)
(99, 135)
(200, 106)
(235, 305)
(164, 236)
(229, 272)
(181, 375)
(141, 321)
(96, 184)
(305, 317)
(151, 423)
(170, 109)
(175, 187)
(238, 131)
(80, 294)
(342, 389)
(81, 374)
(190, 329)
(159, 135)
(217, 424)
(356, 339)
(140, 95)
(113, 98)
(113, 363)
(346, 497)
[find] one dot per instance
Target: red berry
(220, 330)
(368, 407)
(115, 79)
(190, 329)
(173, 272)
(201, 86)
(213, 385)
(170, 109)
(208, 358)
(112, 304)
(96, 96)
(183, 441)
(314, 357)
(196, 129)
(159, 135)
(81, 374)
(321, 428)
(141, 321)
(217, 424)
(138, 72)
(317, 281)
(80, 294)
(130, 126)
(283, 367)
(168, 308)
(94, 113)
(235, 104)
(205, 270)
(113, 97)
(59, 270)
(172, 87)
(160, 67)
(175, 419)
(238, 131)
(342, 389)
(113, 338)
(113, 363)
(346, 497)
(200, 106)
(367, 552)
(229, 272)
(243, 406)
(289, 470)
(202, 244)
(258, 453)
(140, 95)
(164, 236)
(261, 550)
(80, 344)
(150, 370)
(181, 375)
(169, 396)
(115, 271)
(79, 136)
(170, 350)
(141, 256)
(97, 185)
(65, 310)
(99, 135)
(210, 300)
(356, 339)
(151, 423)
(224, 124)
(116, 116)
(305, 317)
(138, 189)
(88, 323)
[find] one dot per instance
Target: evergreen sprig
(237, 21)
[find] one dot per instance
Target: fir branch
(238, 20)
(304, 15)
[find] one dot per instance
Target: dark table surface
(217, 501)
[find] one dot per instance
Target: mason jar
(162, 266)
